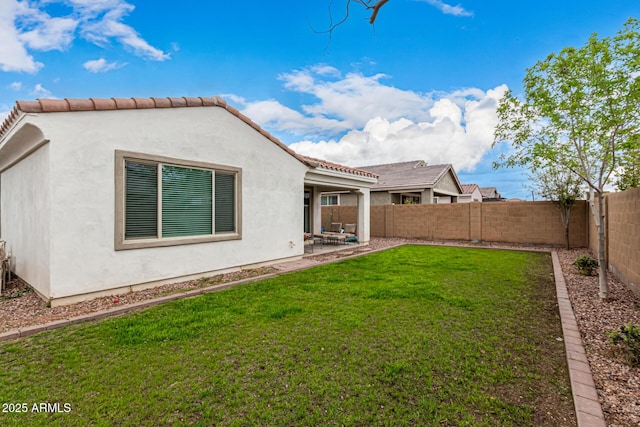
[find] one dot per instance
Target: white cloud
(343, 102)
(16, 86)
(40, 31)
(448, 9)
(26, 26)
(274, 115)
(111, 26)
(101, 65)
(13, 54)
(357, 120)
(4, 114)
(40, 92)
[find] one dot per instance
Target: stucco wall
(25, 207)
(447, 184)
(348, 199)
(82, 160)
(476, 196)
(381, 198)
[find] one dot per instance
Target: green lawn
(416, 335)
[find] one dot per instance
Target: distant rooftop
(403, 174)
(469, 188)
(490, 193)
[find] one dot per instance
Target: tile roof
(336, 167)
(468, 188)
(490, 192)
(414, 173)
(104, 104)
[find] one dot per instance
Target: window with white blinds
(165, 201)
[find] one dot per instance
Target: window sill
(174, 241)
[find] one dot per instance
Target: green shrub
(628, 337)
(585, 264)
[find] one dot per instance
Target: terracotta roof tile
(341, 168)
(81, 104)
(209, 102)
(28, 106)
(468, 188)
(53, 105)
(124, 103)
(101, 104)
(193, 102)
(144, 103)
(162, 102)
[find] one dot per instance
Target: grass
(411, 336)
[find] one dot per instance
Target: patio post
(316, 209)
(364, 215)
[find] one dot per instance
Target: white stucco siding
(83, 147)
(25, 207)
(447, 184)
(381, 198)
(475, 196)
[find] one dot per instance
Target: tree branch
(376, 9)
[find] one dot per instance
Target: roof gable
(414, 173)
(110, 104)
(469, 188)
(490, 192)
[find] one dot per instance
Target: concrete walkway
(585, 397)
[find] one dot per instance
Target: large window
(162, 201)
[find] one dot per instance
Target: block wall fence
(622, 221)
(514, 222)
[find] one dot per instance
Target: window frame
(120, 243)
(327, 197)
(415, 199)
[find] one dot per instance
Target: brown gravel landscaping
(617, 383)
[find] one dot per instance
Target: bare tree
(372, 5)
(560, 185)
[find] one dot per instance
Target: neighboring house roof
(469, 188)
(102, 104)
(416, 173)
(489, 193)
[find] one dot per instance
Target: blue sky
(422, 83)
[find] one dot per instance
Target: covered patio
(324, 176)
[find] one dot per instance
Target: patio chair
(350, 233)
(334, 234)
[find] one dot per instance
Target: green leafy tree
(629, 175)
(561, 186)
(580, 111)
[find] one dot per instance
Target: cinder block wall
(512, 222)
(343, 214)
(623, 236)
(533, 222)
